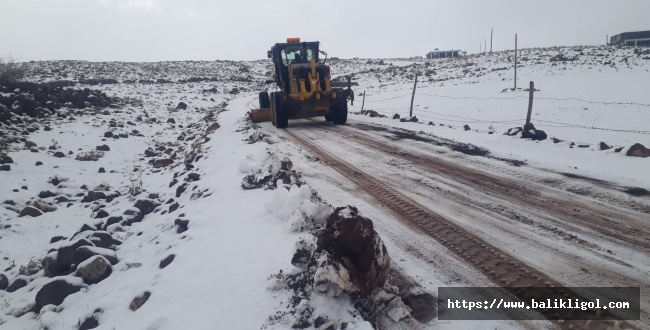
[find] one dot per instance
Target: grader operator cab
(305, 87)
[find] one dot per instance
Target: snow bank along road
(518, 226)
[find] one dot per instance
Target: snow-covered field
(598, 96)
(227, 257)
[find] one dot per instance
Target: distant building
(639, 38)
(443, 54)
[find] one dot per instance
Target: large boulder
(6, 160)
(84, 253)
(162, 162)
(103, 147)
(51, 266)
(353, 244)
(84, 231)
(193, 177)
(66, 256)
(40, 112)
(101, 214)
(41, 205)
(146, 205)
(5, 113)
(529, 132)
(638, 150)
(30, 211)
(55, 291)
(94, 270)
(56, 239)
(133, 215)
(93, 196)
(113, 220)
(103, 239)
(46, 194)
(18, 283)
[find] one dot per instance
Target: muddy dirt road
(486, 221)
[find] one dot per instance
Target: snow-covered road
(573, 230)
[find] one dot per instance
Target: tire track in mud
(499, 208)
(500, 267)
(448, 190)
(468, 204)
(619, 224)
(429, 142)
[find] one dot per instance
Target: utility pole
(485, 49)
(515, 61)
(491, 34)
(364, 100)
(413, 95)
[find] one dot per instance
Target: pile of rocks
(43, 100)
(88, 257)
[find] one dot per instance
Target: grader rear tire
(282, 118)
(340, 112)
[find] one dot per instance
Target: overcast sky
(159, 30)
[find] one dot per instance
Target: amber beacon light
(293, 39)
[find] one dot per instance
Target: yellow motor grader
(305, 87)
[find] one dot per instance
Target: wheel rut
(619, 223)
(501, 268)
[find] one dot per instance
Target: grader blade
(260, 115)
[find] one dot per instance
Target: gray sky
(158, 30)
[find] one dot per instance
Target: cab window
(295, 55)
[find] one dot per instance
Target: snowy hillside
(140, 196)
